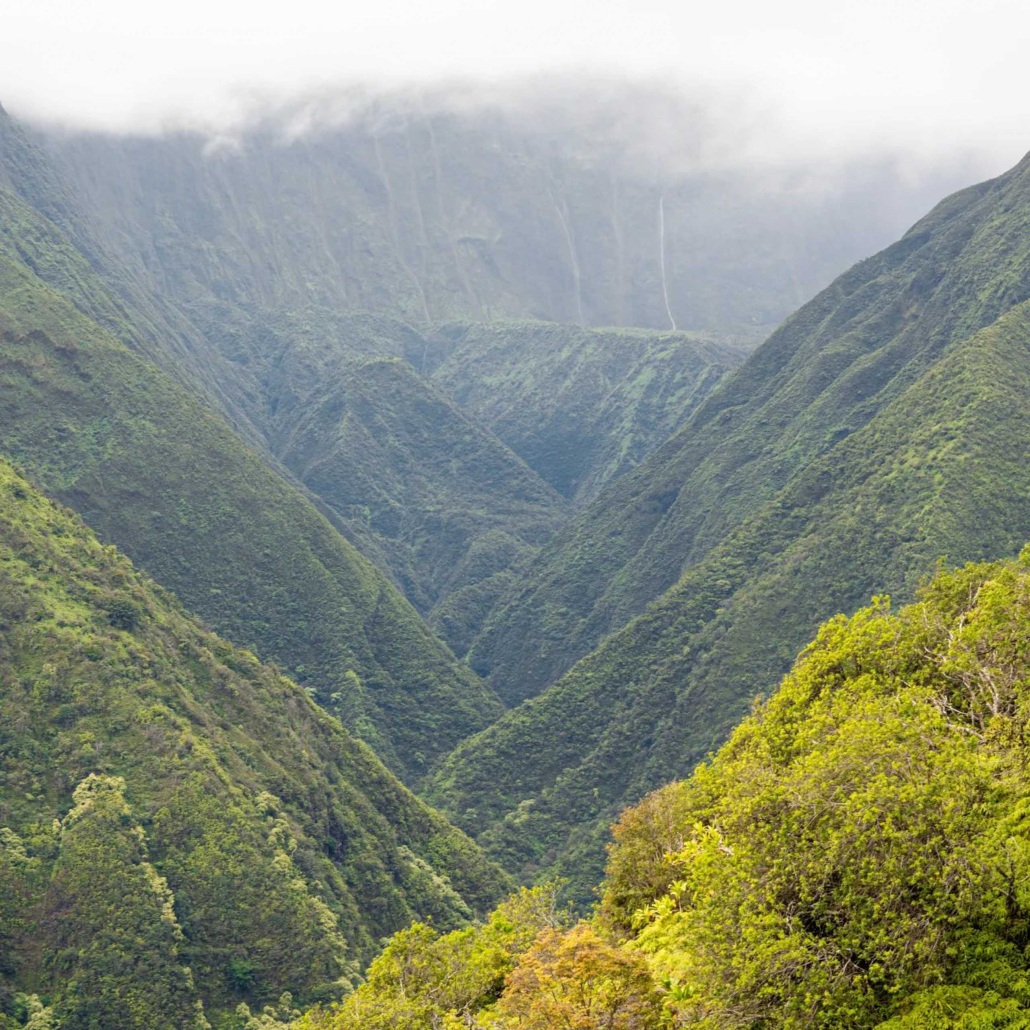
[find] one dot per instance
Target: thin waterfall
(574, 262)
(661, 254)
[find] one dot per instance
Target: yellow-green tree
(858, 854)
(111, 923)
(574, 980)
(424, 981)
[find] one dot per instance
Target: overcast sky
(935, 75)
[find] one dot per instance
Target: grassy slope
(940, 470)
(152, 470)
(822, 376)
(261, 812)
(580, 406)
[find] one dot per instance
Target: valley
(413, 523)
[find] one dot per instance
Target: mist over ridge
(652, 125)
(840, 80)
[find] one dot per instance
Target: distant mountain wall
(431, 213)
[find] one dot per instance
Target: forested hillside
(939, 469)
(580, 406)
(887, 884)
(154, 471)
(178, 823)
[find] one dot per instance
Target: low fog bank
(660, 127)
(657, 132)
(798, 76)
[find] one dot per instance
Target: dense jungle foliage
(181, 829)
(858, 854)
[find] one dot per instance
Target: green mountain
(857, 855)
(427, 492)
(579, 406)
(248, 364)
(399, 471)
(821, 377)
(153, 470)
(939, 468)
(178, 823)
(238, 274)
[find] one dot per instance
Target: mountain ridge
(939, 469)
(818, 378)
(151, 771)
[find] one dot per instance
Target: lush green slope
(155, 472)
(400, 469)
(70, 252)
(430, 493)
(580, 406)
(857, 854)
(168, 802)
(942, 469)
(821, 377)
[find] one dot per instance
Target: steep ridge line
(154, 471)
(168, 802)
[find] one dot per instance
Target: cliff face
(430, 214)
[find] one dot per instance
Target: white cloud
(838, 74)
